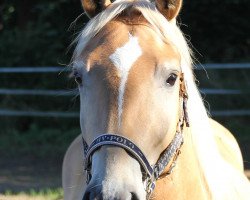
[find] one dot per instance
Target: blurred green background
(38, 33)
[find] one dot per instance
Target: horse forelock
(165, 29)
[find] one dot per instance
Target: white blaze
(123, 58)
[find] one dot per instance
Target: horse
(146, 133)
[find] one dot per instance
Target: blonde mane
(223, 181)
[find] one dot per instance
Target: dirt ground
(24, 174)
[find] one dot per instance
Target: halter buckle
(88, 176)
(87, 168)
(149, 186)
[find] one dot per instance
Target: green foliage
(36, 32)
(218, 29)
(37, 141)
(50, 194)
(35, 46)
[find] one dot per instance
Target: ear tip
(89, 8)
(94, 7)
(169, 8)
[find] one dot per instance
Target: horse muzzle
(97, 194)
(115, 176)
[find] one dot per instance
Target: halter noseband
(152, 172)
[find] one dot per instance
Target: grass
(36, 141)
(46, 194)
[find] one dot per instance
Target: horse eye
(77, 76)
(78, 80)
(171, 79)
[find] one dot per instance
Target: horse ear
(93, 7)
(169, 8)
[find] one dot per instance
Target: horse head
(131, 85)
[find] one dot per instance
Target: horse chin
(115, 176)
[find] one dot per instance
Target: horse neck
(187, 180)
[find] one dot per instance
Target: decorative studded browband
(152, 172)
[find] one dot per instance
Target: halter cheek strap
(184, 96)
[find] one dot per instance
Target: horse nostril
(93, 194)
(134, 196)
(86, 196)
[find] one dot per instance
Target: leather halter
(152, 172)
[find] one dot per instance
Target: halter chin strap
(153, 172)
